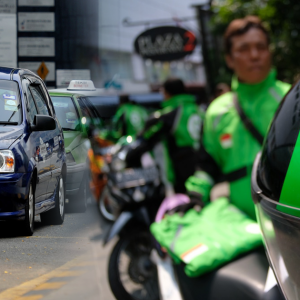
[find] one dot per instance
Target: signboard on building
(8, 40)
(36, 68)
(41, 47)
(36, 22)
(64, 77)
(36, 2)
(165, 43)
(8, 7)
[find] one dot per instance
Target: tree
(281, 17)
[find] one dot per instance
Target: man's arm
(119, 124)
(157, 126)
(208, 170)
(208, 173)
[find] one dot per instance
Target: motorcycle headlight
(7, 161)
(118, 164)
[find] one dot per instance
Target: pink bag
(170, 203)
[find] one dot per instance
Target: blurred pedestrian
(129, 119)
(236, 122)
(174, 134)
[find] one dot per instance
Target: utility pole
(208, 44)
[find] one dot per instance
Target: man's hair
(124, 98)
(174, 86)
(241, 26)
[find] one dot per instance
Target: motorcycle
(135, 193)
(138, 267)
(248, 277)
(99, 155)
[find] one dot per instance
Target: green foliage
(281, 17)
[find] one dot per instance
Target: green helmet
(276, 193)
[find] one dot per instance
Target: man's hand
(199, 185)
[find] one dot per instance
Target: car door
(57, 149)
(39, 139)
(53, 138)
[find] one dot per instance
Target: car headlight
(70, 158)
(7, 161)
(118, 164)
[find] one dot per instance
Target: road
(57, 262)
(66, 262)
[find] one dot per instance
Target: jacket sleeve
(208, 171)
(119, 124)
(157, 126)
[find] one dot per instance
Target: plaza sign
(165, 43)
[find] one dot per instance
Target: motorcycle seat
(243, 278)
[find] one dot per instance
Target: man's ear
(229, 61)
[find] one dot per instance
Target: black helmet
(276, 193)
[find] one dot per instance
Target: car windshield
(66, 113)
(10, 108)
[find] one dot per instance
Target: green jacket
(175, 132)
(204, 241)
(228, 144)
(129, 119)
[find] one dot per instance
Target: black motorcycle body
(135, 194)
(242, 279)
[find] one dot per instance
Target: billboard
(165, 43)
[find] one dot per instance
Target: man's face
(167, 96)
(250, 56)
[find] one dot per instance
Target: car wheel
(29, 212)
(56, 215)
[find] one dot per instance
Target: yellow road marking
(18, 291)
(35, 297)
(70, 273)
(50, 286)
(85, 264)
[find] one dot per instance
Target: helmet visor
(281, 235)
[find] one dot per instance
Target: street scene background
(63, 40)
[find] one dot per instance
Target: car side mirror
(43, 123)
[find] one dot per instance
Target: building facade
(120, 22)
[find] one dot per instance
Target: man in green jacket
(129, 118)
(174, 134)
(229, 149)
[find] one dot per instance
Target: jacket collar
(244, 88)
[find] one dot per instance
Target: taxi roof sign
(81, 85)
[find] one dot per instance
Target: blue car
(32, 154)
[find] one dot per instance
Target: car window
(10, 105)
(47, 96)
(32, 107)
(84, 109)
(66, 113)
(39, 99)
(106, 106)
(92, 111)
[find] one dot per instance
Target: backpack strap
(247, 122)
(242, 172)
(235, 175)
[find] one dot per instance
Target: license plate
(135, 177)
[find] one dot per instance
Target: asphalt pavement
(58, 262)
(64, 262)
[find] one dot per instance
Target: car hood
(8, 136)
(72, 139)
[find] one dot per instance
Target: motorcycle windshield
(281, 234)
